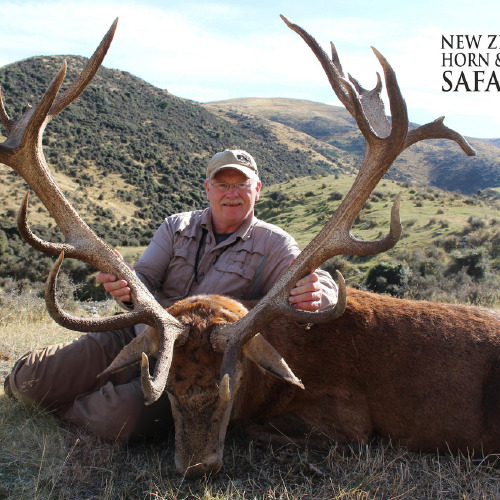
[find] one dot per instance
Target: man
(224, 249)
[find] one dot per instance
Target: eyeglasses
(224, 187)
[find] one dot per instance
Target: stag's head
(200, 397)
(200, 343)
(201, 404)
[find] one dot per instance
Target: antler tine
(46, 247)
(384, 142)
(399, 112)
(336, 59)
(332, 71)
(85, 324)
(438, 130)
(86, 76)
(4, 117)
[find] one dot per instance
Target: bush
(335, 196)
(387, 277)
(339, 263)
(473, 262)
(277, 198)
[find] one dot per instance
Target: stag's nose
(211, 465)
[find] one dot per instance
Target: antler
(22, 150)
(384, 142)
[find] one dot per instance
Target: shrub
(335, 196)
(472, 261)
(339, 263)
(388, 277)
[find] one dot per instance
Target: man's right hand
(119, 289)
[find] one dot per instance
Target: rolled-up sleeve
(329, 289)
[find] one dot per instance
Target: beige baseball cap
(233, 158)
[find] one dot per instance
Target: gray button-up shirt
(183, 259)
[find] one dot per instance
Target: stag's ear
(147, 342)
(260, 351)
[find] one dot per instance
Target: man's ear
(207, 188)
(261, 352)
(257, 190)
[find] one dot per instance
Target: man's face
(231, 208)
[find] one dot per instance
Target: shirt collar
(243, 232)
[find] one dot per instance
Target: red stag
(423, 374)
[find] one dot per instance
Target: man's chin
(233, 215)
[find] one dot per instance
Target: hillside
(148, 145)
(435, 163)
(449, 249)
(127, 154)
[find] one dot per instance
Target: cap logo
(238, 159)
(244, 158)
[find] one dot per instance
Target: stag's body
(426, 375)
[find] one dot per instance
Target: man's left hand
(307, 293)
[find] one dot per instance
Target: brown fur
(423, 374)
(193, 384)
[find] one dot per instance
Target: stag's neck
(261, 395)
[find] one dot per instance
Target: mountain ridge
(128, 154)
(438, 163)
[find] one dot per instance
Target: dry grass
(42, 458)
(13, 191)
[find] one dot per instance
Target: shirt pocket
(180, 272)
(243, 263)
(237, 269)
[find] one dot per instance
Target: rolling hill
(128, 154)
(436, 163)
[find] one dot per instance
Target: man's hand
(307, 293)
(119, 289)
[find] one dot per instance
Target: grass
(42, 458)
(425, 211)
(436, 224)
(103, 194)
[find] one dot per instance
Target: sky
(214, 50)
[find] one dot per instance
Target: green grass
(425, 209)
(437, 227)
